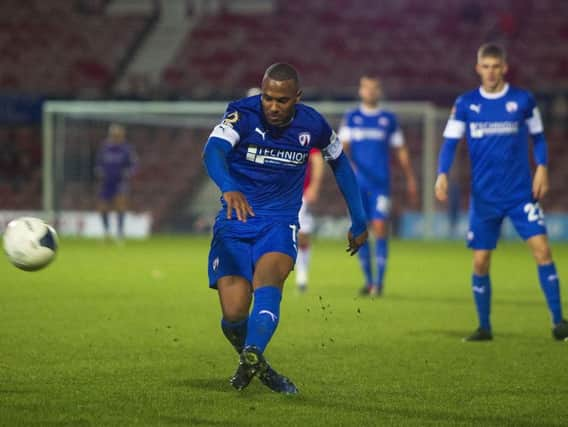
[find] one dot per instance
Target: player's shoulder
(248, 105)
(469, 96)
(309, 115)
(352, 112)
(518, 92)
(387, 114)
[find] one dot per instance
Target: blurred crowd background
(172, 50)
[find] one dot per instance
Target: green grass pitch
(130, 335)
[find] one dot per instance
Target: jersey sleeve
(397, 137)
(232, 127)
(455, 127)
(328, 142)
(532, 117)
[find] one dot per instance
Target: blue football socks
(550, 285)
(481, 286)
(264, 316)
(365, 260)
(381, 254)
(236, 332)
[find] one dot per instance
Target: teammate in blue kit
(368, 132)
(257, 156)
(496, 120)
(115, 164)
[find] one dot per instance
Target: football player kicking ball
(257, 157)
(496, 120)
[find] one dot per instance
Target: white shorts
(306, 219)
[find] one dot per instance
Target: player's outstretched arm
(215, 161)
(348, 185)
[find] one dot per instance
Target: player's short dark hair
(281, 72)
(491, 50)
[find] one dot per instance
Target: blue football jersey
(268, 163)
(496, 126)
(370, 134)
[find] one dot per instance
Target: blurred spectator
(472, 13)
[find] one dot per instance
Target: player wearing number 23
(496, 120)
(257, 156)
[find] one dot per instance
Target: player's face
(370, 91)
(492, 72)
(278, 100)
(117, 134)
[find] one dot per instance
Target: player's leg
(380, 232)
(274, 254)
(109, 190)
(230, 271)
(484, 229)
(303, 261)
(304, 247)
(235, 296)
(103, 208)
(481, 288)
(379, 208)
(549, 283)
(528, 220)
(271, 271)
(121, 203)
(364, 253)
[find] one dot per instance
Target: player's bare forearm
(238, 202)
(540, 182)
(441, 187)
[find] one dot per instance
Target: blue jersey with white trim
(370, 134)
(268, 163)
(496, 127)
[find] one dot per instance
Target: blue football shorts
(237, 246)
(376, 204)
(485, 222)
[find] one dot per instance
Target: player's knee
(542, 255)
(481, 265)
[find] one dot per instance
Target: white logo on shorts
(470, 235)
(215, 264)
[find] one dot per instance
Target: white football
(30, 243)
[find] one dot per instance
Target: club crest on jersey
(231, 118)
(304, 138)
(383, 121)
(511, 106)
